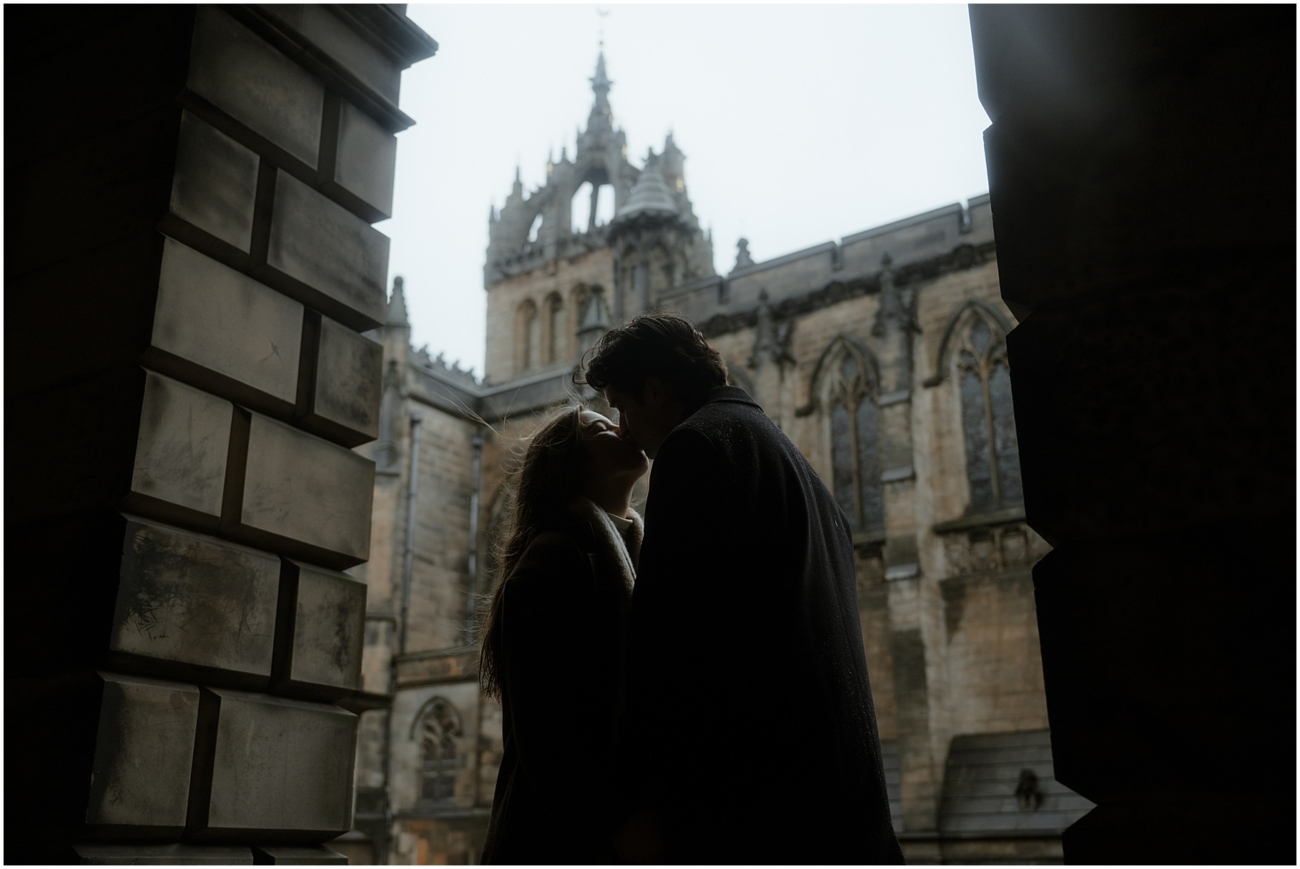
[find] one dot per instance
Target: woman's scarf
(620, 552)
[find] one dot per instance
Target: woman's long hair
(545, 485)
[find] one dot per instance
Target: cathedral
(882, 356)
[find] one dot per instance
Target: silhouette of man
(749, 734)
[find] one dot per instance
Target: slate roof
(980, 783)
(979, 787)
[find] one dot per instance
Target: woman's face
(609, 454)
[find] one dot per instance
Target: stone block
(170, 854)
(143, 752)
(333, 259)
(255, 84)
(181, 452)
(192, 599)
(323, 26)
(215, 182)
(308, 497)
(365, 163)
(301, 856)
(322, 624)
(226, 332)
(346, 389)
(280, 770)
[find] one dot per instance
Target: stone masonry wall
(189, 484)
(504, 299)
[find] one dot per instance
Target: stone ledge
(980, 520)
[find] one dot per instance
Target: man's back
(750, 726)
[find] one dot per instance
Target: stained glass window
(849, 391)
(869, 470)
(987, 415)
(842, 458)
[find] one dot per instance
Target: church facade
(881, 355)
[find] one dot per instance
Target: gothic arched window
(526, 335)
(978, 356)
(848, 391)
(555, 328)
(438, 727)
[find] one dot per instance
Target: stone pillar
(915, 607)
(190, 265)
(1142, 173)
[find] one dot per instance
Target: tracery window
(849, 393)
(438, 728)
(983, 377)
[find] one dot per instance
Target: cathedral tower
(554, 287)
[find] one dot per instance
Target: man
(749, 733)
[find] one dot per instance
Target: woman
(553, 643)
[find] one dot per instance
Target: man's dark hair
(666, 346)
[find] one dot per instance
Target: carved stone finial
(771, 338)
(743, 258)
(396, 317)
(896, 308)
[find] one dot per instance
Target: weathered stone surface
(227, 323)
(281, 767)
(307, 491)
(302, 856)
(365, 163)
(194, 599)
(166, 854)
(328, 627)
(180, 457)
(322, 25)
(215, 182)
(345, 400)
(143, 752)
(329, 251)
(258, 86)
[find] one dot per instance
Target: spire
(600, 83)
(601, 119)
(397, 306)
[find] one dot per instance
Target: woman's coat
(563, 623)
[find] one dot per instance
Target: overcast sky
(800, 124)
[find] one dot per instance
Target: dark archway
(1142, 173)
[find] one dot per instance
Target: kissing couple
(691, 689)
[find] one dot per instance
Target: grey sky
(800, 123)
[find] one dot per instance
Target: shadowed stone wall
(189, 268)
(1142, 173)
